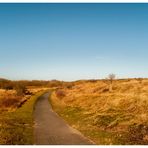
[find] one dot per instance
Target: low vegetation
(22, 84)
(107, 111)
(116, 115)
(16, 127)
(14, 93)
(17, 100)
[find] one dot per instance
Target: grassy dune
(16, 127)
(119, 116)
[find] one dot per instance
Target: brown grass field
(119, 116)
(116, 116)
(16, 116)
(10, 101)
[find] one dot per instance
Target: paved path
(50, 129)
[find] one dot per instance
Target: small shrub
(20, 89)
(60, 94)
(69, 85)
(105, 90)
(10, 102)
(92, 81)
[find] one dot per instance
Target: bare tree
(111, 78)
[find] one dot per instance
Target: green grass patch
(73, 114)
(17, 127)
(100, 137)
(76, 118)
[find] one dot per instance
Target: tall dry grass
(122, 111)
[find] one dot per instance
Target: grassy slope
(17, 127)
(117, 117)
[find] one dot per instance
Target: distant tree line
(9, 84)
(20, 86)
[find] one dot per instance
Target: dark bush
(10, 102)
(105, 90)
(60, 94)
(69, 85)
(6, 84)
(136, 135)
(20, 89)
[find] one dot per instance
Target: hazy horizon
(105, 78)
(73, 41)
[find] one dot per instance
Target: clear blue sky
(73, 41)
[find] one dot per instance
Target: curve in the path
(50, 129)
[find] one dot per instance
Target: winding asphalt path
(50, 129)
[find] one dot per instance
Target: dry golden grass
(10, 101)
(16, 128)
(121, 111)
(34, 89)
